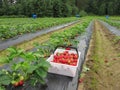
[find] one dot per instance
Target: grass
(93, 83)
(96, 55)
(116, 39)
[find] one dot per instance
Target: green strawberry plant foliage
(111, 22)
(65, 38)
(43, 49)
(24, 66)
(12, 27)
(14, 52)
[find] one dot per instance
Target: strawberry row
(11, 27)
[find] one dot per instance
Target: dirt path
(103, 60)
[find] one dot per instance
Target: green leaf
(1, 72)
(17, 66)
(42, 81)
(11, 49)
(5, 80)
(20, 51)
(44, 63)
(4, 60)
(2, 88)
(85, 69)
(33, 81)
(29, 56)
(36, 44)
(31, 69)
(25, 65)
(44, 68)
(37, 54)
(41, 73)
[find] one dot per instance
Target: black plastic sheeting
(113, 29)
(26, 37)
(60, 82)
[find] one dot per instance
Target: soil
(103, 59)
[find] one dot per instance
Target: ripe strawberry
(21, 83)
(69, 61)
(75, 56)
(73, 64)
(55, 56)
(68, 48)
(63, 61)
(81, 80)
(75, 60)
(66, 52)
(65, 57)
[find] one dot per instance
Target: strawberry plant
(44, 49)
(24, 66)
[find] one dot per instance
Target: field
(26, 61)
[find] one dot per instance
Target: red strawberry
(75, 56)
(75, 60)
(73, 64)
(68, 48)
(81, 80)
(21, 83)
(66, 52)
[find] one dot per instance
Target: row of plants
(11, 27)
(111, 22)
(117, 18)
(65, 38)
(30, 68)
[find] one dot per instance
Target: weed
(116, 39)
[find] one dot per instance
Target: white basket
(63, 69)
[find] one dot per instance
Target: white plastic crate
(63, 69)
